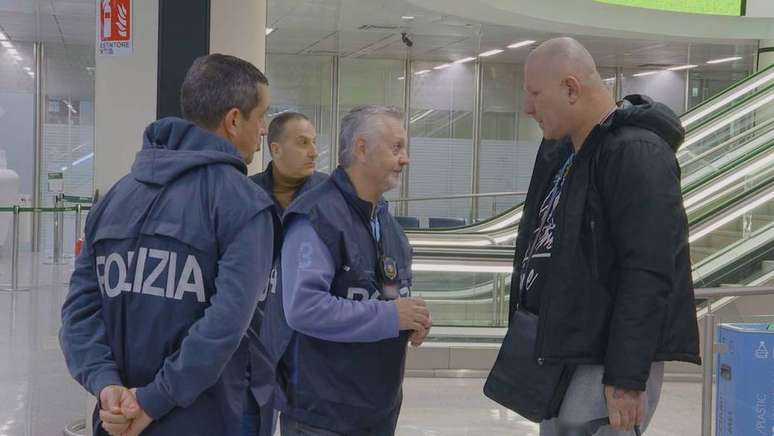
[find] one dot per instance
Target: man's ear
(274, 149)
(230, 122)
(360, 147)
(573, 87)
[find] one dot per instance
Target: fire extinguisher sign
(114, 27)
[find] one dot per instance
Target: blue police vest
(261, 367)
(342, 386)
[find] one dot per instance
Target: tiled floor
(38, 397)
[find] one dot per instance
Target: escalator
(734, 129)
(728, 185)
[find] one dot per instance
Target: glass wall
(441, 138)
(303, 84)
(702, 85)
(509, 138)
(371, 81)
(68, 128)
(441, 120)
(17, 114)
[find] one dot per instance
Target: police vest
(345, 386)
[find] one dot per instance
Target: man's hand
(625, 408)
(413, 314)
(418, 336)
(140, 419)
(120, 412)
(113, 399)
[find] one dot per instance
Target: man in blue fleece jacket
(338, 323)
(176, 255)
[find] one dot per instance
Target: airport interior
(73, 108)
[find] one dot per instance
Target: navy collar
(364, 208)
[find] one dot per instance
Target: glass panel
(17, 113)
(704, 85)
(732, 135)
(667, 87)
(303, 84)
(441, 138)
(509, 138)
(68, 130)
(371, 81)
(721, 237)
(464, 298)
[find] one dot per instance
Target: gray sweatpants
(585, 403)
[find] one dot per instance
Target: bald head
(563, 90)
(562, 57)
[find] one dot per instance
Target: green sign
(713, 7)
(76, 199)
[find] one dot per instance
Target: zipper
(545, 302)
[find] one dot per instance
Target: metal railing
(474, 210)
(58, 233)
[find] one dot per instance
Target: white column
(238, 28)
(125, 98)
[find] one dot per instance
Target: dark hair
(217, 83)
(278, 123)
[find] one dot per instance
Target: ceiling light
(442, 66)
(31, 74)
(27, 69)
(720, 61)
(682, 67)
(6, 44)
(269, 30)
(491, 52)
(522, 44)
(646, 73)
(422, 72)
(16, 58)
(609, 79)
(463, 60)
(3, 37)
(13, 52)
(407, 17)
(401, 78)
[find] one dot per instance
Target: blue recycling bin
(745, 380)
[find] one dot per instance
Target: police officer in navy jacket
(175, 257)
(344, 293)
(291, 172)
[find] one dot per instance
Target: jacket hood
(172, 146)
(641, 111)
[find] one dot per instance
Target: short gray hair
(357, 122)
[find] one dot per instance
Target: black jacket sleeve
(643, 202)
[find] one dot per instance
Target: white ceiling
(337, 27)
(371, 28)
(69, 22)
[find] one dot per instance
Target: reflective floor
(38, 397)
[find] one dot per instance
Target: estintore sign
(114, 27)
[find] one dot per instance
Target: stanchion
(78, 241)
(708, 362)
(58, 232)
(14, 254)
